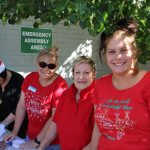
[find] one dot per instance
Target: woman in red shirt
(122, 112)
(41, 91)
(74, 117)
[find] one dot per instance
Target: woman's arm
(46, 126)
(93, 145)
(95, 138)
(49, 137)
(32, 143)
(10, 118)
(20, 114)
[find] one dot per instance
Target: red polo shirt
(75, 120)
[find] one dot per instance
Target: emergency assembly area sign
(34, 39)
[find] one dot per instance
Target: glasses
(44, 65)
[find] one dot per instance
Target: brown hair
(126, 29)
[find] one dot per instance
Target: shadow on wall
(65, 69)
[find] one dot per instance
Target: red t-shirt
(40, 100)
(75, 120)
(123, 116)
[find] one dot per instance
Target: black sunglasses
(44, 65)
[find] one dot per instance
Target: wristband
(37, 141)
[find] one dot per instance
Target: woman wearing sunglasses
(40, 94)
(74, 117)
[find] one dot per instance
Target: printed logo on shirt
(31, 88)
(114, 116)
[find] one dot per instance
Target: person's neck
(6, 80)
(46, 82)
(77, 96)
(123, 81)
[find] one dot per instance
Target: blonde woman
(40, 95)
(74, 117)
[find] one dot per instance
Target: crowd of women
(108, 113)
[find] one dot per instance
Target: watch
(37, 141)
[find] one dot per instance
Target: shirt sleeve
(59, 109)
(95, 95)
(25, 83)
(60, 87)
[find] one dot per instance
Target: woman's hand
(29, 145)
(40, 149)
(9, 136)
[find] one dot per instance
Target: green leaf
(80, 7)
(60, 6)
(4, 19)
(94, 15)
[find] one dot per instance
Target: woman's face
(119, 56)
(43, 70)
(83, 75)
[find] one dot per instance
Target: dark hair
(103, 38)
(125, 28)
(3, 74)
(128, 25)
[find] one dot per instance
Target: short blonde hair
(84, 59)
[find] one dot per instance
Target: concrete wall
(72, 41)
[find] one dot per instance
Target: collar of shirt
(84, 93)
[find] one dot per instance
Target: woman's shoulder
(31, 75)
(34, 73)
(104, 79)
(59, 79)
(58, 82)
(143, 74)
(70, 91)
(146, 77)
(145, 83)
(148, 73)
(16, 78)
(16, 74)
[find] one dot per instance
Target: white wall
(71, 41)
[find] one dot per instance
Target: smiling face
(83, 75)
(46, 73)
(119, 56)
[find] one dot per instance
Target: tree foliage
(94, 15)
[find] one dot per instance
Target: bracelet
(37, 141)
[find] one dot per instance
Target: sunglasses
(44, 65)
